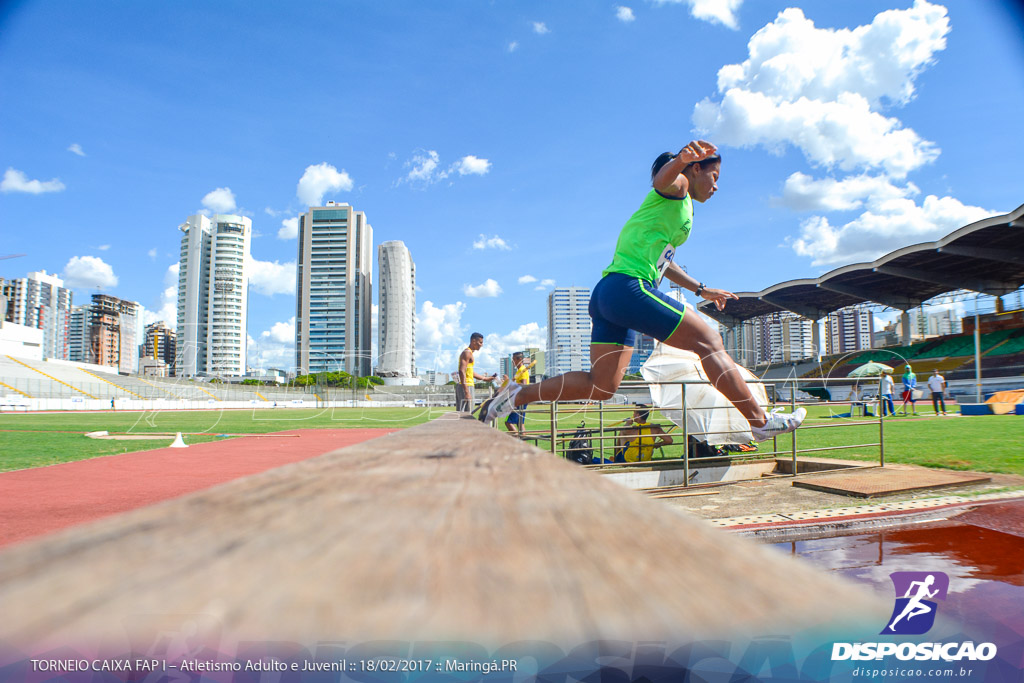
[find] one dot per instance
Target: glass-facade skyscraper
(334, 291)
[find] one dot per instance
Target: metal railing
(558, 438)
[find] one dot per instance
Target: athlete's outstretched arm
(686, 281)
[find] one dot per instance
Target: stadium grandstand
(34, 384)
(983, 260)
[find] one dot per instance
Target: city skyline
(485, 153)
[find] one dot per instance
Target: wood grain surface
(448, 530)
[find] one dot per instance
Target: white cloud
(168, 311)
(513, 46)
(715, 11)
(425, 168)
(544, 284)
(494, 242)
(274, 348)
(526, 279)
(76, 148)
(438, 326)
(820, 89)
(103, 247)
(889, 223)
(792, 58)
(497, 346)
(271, 277)
(319, 180)
(152, 253)
(488, 289)
(221, 200)
(16, 181)
(440, 335)
(281, 332)
(471, 165)
(289, 229)
(803, 193)
(843, 133)
(540, 27)
(89, 272)
(624, 14)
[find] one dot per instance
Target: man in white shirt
(885, 386)
(937, 384)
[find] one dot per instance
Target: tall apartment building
(112, 333)
(40, 300)
(642, 350)
(79, 347)
(849, 329)
(741, 342)
(396, 312)
(334, 291)
(568, 330)
(213, 293)
(539, 368)
(782, 337)
(160, 343)
(505, 366)
(944, 322)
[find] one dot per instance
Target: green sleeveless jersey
(649, 238)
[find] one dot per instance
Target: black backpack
(580, 449)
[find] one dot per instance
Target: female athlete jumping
(627, 298)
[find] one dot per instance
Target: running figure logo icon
(914, 612)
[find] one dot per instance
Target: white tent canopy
(707, 410)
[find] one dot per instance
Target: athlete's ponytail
(662, 159)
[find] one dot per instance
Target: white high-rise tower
(568, 330)
(213, 295)
(396, 315)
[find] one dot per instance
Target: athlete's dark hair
(517, 354)
(666, 157)
(644, 412)
(475, 335)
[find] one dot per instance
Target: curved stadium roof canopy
(986, 256)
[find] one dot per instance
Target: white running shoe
(778, 423)
(503, 403)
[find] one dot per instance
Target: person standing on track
(467, 375)
(937, 385)
(521, 376)
(628, 299)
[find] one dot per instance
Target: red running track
(45, 499)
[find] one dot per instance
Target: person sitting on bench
(638, 441)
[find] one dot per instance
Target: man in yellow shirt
(641, 438)
(521, 376)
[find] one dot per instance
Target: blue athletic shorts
(516, 416)
(621, 304)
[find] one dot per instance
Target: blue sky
(505, 143)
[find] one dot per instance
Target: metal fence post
(792, 408)
(554, 424)
(881, 435)
(686, 442)
(600, 431)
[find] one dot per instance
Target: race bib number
(664, 260)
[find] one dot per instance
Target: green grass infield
(991, 443)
